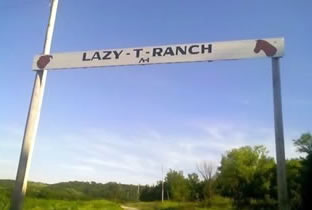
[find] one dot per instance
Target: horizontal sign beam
(162, 54)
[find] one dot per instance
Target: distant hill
(76, 190)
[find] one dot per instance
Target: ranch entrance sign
(162, 54)
(272, 48)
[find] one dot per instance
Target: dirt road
(128, 208)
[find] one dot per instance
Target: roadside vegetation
(245, 179)
(44, 204)
(217, 203)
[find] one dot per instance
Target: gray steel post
(279, 137)
(32, 121)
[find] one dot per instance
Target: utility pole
(162, 183)
(32, 120)
(138, 192)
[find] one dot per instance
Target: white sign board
(162, 54)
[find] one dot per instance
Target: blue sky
(122, 123)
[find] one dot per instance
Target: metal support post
(279, 137)
(32, 121)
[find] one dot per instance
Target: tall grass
(217, 203)
(43, 204)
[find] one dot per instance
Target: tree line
(247, 175)
(74, 190)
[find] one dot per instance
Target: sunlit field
(217, 203)
(43, 204)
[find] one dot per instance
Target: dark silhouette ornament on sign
(43, 61)
(266, 47)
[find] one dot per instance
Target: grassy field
(43, 204)
(67, 201)
(39, 204)
(217, 203)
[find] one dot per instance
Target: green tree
(294, 167)
(194, 187)
(245, 175)
(178, 187)
(206, 170)
(151, 193)
(112, 191)
(304, 145)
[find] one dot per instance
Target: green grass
(40, 204)
(32, 203)
(217, 203)
(43, 204)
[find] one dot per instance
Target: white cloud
(137, 158)
(78, 168)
